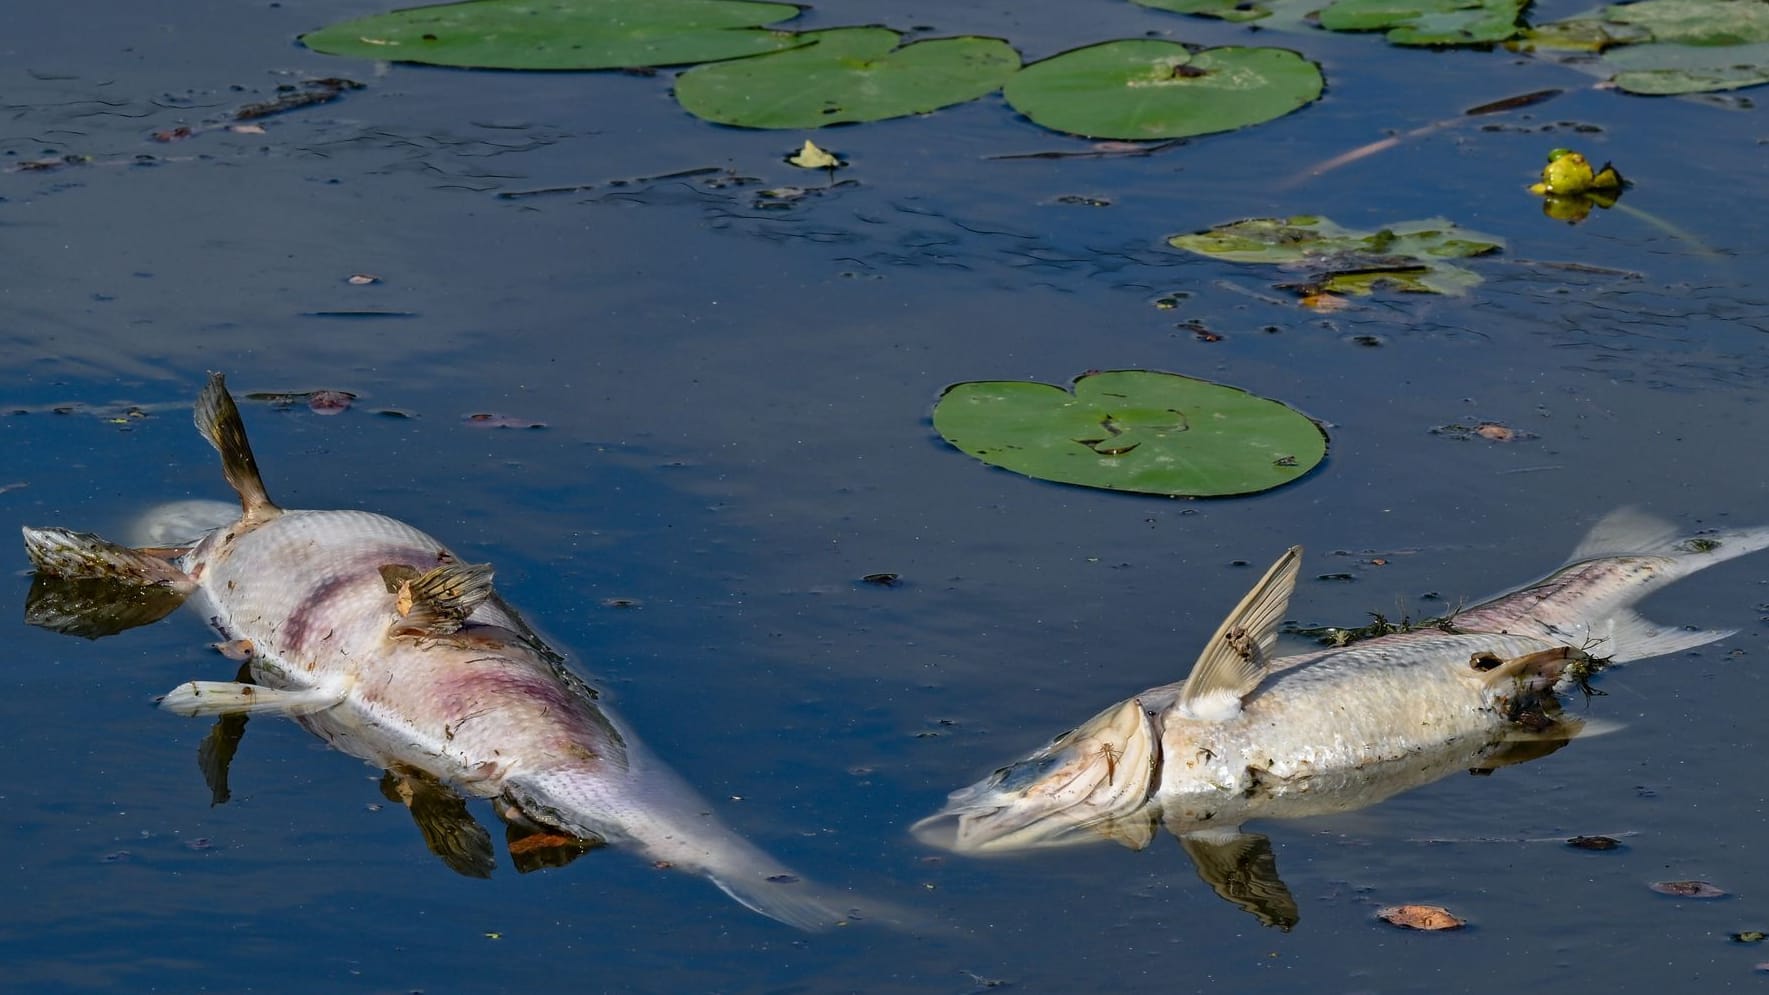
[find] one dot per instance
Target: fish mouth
(1093, 782)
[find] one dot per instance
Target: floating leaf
(1406, 22)
(844, 75)
(1146, 88)
(1663, 47)
(1426, 917)
(1410, 256)
(1133, 430)
(813, 157)
(1427, 22)
(562, 34)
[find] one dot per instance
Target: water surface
(736, 404)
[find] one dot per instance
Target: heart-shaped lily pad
(844, 75)
(562, 34)
(1148, 89)
(1409, 256)
(1133, 430)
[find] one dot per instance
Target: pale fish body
(1248, 736)
(377, 638)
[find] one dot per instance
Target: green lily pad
(1427, 22)
(1667, 46)
(1410, 256)
(1406, 22)
(563, 34)
(844, 75)
(1133, 430)
(1149, 89)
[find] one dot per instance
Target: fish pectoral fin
(70, 555)
(215, 753)
(450, 831)
(1238, 656)
(1242, 870)
(1536, 671)
(438, 601)
(237, 698)
(218, 418)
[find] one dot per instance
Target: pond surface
(736, 402)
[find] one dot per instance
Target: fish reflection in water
(1250, 736)
(380, 641)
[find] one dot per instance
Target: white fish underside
(1248, 737)
(375, 637)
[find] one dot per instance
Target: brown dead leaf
(1325, 303)
(1426, 917)
(1495, 432)
(329, 402)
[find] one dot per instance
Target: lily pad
(563, 34)
(1143, 89)
(1406, 22)
(844, 75)
(1133, 430)
(1663, 47)
(1410, 256)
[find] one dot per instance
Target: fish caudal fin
(1238, 656)
(218, 418)
(69, 555)
(1588, 604)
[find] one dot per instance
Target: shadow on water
(735, 388)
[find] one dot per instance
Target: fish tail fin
(70, 555)
(1589, 602)
(218, 418)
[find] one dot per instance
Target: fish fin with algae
(436, 602)
(1238, 656)
(218, 418)
(70, 555)
(450, 831)
(236, 698)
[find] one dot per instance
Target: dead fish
(378, 639)
(1248, 736)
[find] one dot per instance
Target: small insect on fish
(1249, 736)
(378, 639)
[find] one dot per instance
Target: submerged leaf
(1133, 430)
(1666, 47)
(844, 75)
(1409, 256)
(562, 34)
(1687, 889)
(1145, 88)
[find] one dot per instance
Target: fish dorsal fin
(1625, 532)
(1238, 657)
(437, 601)
(218, 419)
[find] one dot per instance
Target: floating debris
(1594, 843)
(486, 419)
(1426, 917)
(1687, 889)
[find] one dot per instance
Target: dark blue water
(736, 404)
